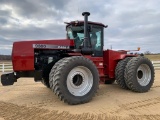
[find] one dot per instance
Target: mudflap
(8, 79)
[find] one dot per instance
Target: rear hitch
(8, 79)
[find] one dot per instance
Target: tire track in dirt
(140, 104)
(145, 117)
(11, 111)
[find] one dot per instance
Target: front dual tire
(74, 80)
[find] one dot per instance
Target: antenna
(111, 47)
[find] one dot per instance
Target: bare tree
(147, 53)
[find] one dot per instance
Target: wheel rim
(144, 74)
(79, 81)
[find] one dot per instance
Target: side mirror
(106, 26)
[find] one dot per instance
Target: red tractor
(73, 68)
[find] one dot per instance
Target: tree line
(5, 57)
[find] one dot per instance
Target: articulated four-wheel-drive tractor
(73, 67)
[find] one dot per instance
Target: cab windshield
(77, 33)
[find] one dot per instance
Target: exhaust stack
(86, 49)
(86, 40)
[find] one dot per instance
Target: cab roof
(78, 23)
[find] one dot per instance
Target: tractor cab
(93, 38)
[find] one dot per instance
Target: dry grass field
(153, 57)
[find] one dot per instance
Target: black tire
(51, 81)
(109, 81)
(45, 74)
(139, 74)
(119, 72)
(64, 82)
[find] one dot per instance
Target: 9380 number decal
(39, 46)
(46, 46)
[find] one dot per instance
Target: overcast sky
(132, 23)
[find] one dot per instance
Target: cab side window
(96, 36)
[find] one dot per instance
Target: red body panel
(106, 65)
(111, 59)
(98, 61)
(23, 52)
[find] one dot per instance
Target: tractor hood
(23, 51)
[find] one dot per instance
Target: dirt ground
(29, 100)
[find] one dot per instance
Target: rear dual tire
(139, 74)
(119, 72)
(136, 74)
